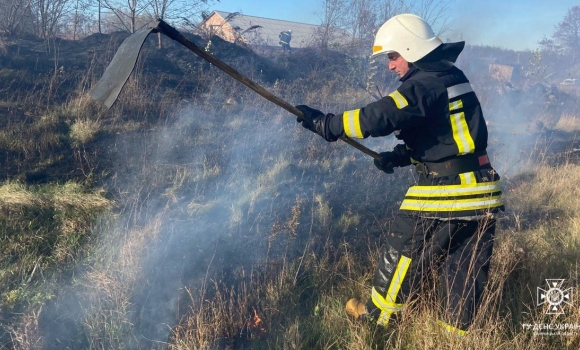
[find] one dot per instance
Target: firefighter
(285, 38)
(446, 222)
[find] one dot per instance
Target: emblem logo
(555, 296)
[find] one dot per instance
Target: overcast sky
(513, 24)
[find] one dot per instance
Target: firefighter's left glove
(398, 157)
(386, 163)
(316, 121)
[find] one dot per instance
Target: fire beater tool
(111, 83)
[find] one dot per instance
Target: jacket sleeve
(407, 107)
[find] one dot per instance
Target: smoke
(244, 171)
(522, 112)
(198, 200)
(199, 197)
(509, 118)
(520, 108)
(206, 181)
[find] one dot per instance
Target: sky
(512, 24)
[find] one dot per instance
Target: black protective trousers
(456, 252)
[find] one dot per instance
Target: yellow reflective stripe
(351, 123)
(467, 178)
(382, 304)
(453, 190)
(455, 105)
(461, 134)
(399, 99)
(386, 310)
(386, 313)
(388, 305)
(451, 205)
(397, 279)
(450, 329)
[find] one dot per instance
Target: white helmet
(407, 34)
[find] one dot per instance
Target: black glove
(315, 121)
(397, 158)
(386, 163)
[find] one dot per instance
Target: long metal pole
(171, 32)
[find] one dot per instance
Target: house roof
(303, 34)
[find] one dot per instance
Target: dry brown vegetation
(204, 218)
(568, 123)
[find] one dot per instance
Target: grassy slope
(272, 230)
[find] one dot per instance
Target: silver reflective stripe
(459, 89)
(427, 205)
(351, 123)
(449, 190)
(384, 305)
(468, 178)
(399, 99)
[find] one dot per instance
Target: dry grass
(60, 197)
(84, 130)
(525, 255)
(110, 284)
(568, 123)
(299, 298)
(257, 288)
(16, 194)
(2, 46)
(42, 228)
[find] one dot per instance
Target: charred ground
(38, 75)
(198, 166)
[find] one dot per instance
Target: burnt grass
(36, 77)
(40, 77)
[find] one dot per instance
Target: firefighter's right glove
(316, 121)
(398, 157)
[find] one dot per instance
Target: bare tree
(435, 12)
(388, 8)
(549, 46)
(567, 35)
(174, 9)
(80, 20)
(100, 13)
(362, 21)
(333, 17)
(49, 15)
(126, 12)
(160, 8)
(363, 17)
(94, 10)
(15, 16)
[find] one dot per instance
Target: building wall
(216, 25)
(266, 31)
(501, 72)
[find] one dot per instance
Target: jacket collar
(442, 58)
(412, 71)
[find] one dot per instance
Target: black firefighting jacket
(285, 37)
(439, 118)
